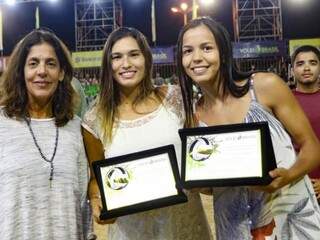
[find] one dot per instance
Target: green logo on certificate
(201, 149)
(117, 178)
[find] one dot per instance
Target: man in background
(306, 71)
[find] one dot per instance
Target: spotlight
(10, 2)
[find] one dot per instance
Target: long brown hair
(14, 97)
(229, 74)
(109, 98)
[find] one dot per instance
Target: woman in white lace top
(131, 115)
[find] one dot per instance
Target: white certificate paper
(224, 156)
(138, 181)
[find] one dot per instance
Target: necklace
(40, 151)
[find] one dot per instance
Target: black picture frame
(113, 182)
(199, 138)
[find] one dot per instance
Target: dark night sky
(299, 20)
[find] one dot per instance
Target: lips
(306, 75)
(41, 83)
(127, 74)
(199, 70)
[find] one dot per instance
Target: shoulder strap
(251, 89)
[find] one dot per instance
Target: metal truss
(255, 20)
(24, 1)
(94, 21)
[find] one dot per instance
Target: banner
(163, 55)
(91, 59)
(259, 49)
(87, 59)
(294, 44)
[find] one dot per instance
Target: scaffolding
(94, 21)
(257, 20)
(260, 21)
(23, 1)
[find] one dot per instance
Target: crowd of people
(50, 138)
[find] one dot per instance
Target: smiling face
(42, 73)
(128, 63)
(200, 55)
(306, 68)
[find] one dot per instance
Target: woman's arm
(274, 94)
(95, 151)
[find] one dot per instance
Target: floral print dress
(291, 213)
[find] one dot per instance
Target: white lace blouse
(182, 221)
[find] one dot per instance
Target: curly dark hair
(13, 95)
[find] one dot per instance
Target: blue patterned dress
(293, 210)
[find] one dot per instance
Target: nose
(126, 62)
(197, 56)
(306, 67)
(42, 70)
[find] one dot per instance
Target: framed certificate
(138, 182)
(227, 155)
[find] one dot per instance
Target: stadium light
(10, 2)
(13, 2)
(184, 9)
(206, 2)
(195, 6)
(174, 9)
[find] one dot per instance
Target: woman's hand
(95, 151)
(281, 177)
(96, 207)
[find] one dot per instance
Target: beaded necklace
(40, 151)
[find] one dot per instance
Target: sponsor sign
(295, 43)
(91, 59)
(258, 49)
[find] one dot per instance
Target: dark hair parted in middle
(229, 74)
(14, 97)
(109, 97)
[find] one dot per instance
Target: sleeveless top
(293, 209)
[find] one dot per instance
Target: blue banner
(259, 49)
(163, 55)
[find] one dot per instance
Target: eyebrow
(300, 61)
(308, 60)
(46, 59)
(131, 51)
(202, 44)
